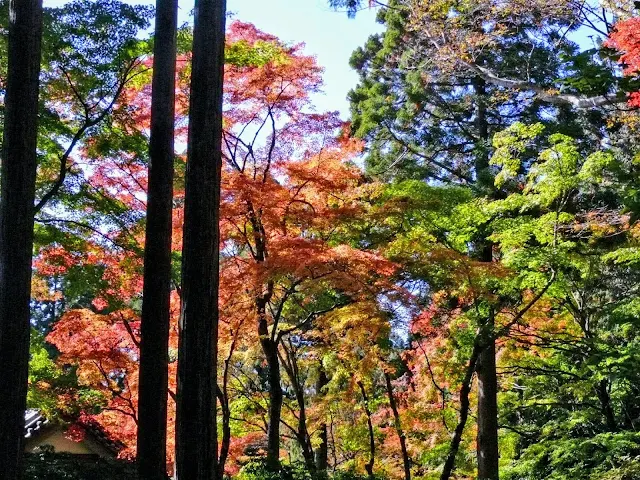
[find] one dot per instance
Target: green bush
(607, 456)
(259, 470)
(65, 466)
(351, 475)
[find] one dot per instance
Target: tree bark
(406, 461)
(372, 440)
(154, 358)
(270, 350)
(487, 441)
(322, 452)
(225, 443)
(223, 396)
(465, 389)
(196, 433)
(302, 434)
(17, 196)
(602, 390)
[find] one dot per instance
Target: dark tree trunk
(275, 405)
(196, 433)
(487, 444)
(270, 350)
(406, 461)
(153, 380)
(17, 198)
(322, 452)
(602, 390)
(372, 440)
(465, 389)
(484, 178)
(223, 396)
(487, 440)
(302, 434)
(225, 443)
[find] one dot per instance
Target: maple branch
(127, 326)
(308, 320)
(117, 394)
(278, 313)
(272, 146)
(88, 123)
(505, 329)
(436, 385)
(47, 221)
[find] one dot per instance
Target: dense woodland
(232, 282)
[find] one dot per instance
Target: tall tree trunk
(487, 444)
(322, 452)
(196, 433)
(154, 358)
(17, 196)
(406, 461)
(487, 441)
(372, 440)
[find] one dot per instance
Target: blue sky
(329, 35)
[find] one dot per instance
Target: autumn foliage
(288, 186)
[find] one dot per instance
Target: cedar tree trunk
(196, 432)
(154, 358)
(17, 198)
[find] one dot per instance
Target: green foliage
(242, 54)
(603, 456)
(59, 466)
(54, 389)
(351, 475)
(259, 470)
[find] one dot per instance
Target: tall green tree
(439, 83)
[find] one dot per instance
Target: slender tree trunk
(270, 350)
(484, 178)
(372, 440)
(17, 197)
(406, 461)
(154, 358)
(225, 443)
(223, 396)
(465, 389)
(602, 390)
(322, 452)
(302, 434)
(487, 440)
(196, 433)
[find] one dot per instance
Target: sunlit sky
(328, 34)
